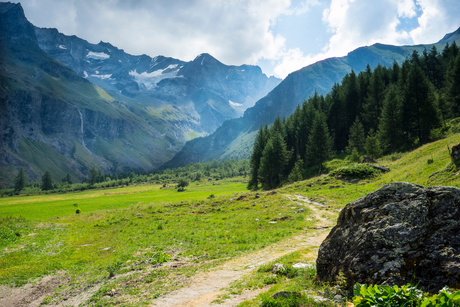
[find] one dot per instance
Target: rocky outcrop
(402, 233)
(455, 154)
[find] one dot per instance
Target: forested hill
(234, 139)
(382, 110)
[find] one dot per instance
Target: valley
(143, 244)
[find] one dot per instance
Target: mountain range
(234, 139)
(67, 104)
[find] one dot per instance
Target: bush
(360, 171)
(408, 295)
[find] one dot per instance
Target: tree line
(96, 179)
(380, 111)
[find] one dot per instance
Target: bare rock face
(402, 233)
(455, 154)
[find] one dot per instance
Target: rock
(380, 168)
(278, 267)
(402, 233)
(285, 294)
(336, 186)
(282, 218)
(455, 154)
(301, 210)
(257, 220)
(338, 298)
(241, 197)
(367, 159)
(257, 195)
(301, 265)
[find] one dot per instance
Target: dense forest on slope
(383, 110)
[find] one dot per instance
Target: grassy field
(124, 237)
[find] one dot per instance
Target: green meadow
(147, 240)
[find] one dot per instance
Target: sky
(281, 36)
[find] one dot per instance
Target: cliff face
(52, 119)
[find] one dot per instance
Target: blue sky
(281, 36)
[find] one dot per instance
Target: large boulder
(402, 233)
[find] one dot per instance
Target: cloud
(356, 23)
(234, 31)
(437, 17)
(242, 31)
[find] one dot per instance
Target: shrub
(356, 171)
(160, 258)
(408, 295)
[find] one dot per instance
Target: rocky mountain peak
(13, 24)
(450, 37)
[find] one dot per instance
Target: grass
(122, 235)
(128, 239)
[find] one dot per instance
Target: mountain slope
(205, 91)
(235, 137)
(67, 105)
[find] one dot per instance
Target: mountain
(67, 105)
(205, 91)
(234, 139)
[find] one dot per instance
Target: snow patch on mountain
(235, 104)
(62, 47)
(151, 79)
(102, 77)
(97, 55)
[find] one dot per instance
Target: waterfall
(82, 132)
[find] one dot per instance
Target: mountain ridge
(62, 115)
(235, 137)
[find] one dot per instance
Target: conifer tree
(257, 151)
(296, 173)
(274, 159)
(356, 138)
(373, 149)
(47, 181)
(453, 86)
(419, 111)
(68, 179)
(319, 146)
(20, 181)
(390, 121)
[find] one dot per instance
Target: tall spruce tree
(356, 138)
(390, 121)
(297, 170)
(373, 148)
(273, 161)
(47, 181)
(453, 86)
(257, 151)
(319, 146)
(20, 181)
(419, 110)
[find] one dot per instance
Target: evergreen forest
(378, 111)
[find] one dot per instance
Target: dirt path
(206, 287)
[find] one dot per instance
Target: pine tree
(296, 173)
(20, 181)
(257, 151)
(319, 146)
(356, 137)
(68, 179)
(47, 181)
(419, 111)
(390, 122)
(274, 159)
(373, 149)
(453, 86)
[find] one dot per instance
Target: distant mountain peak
(450, 37)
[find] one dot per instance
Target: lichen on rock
(402, 233)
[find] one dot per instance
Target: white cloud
(437, 17)
(242, 31)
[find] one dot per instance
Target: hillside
(67, 105)
(235, 137)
